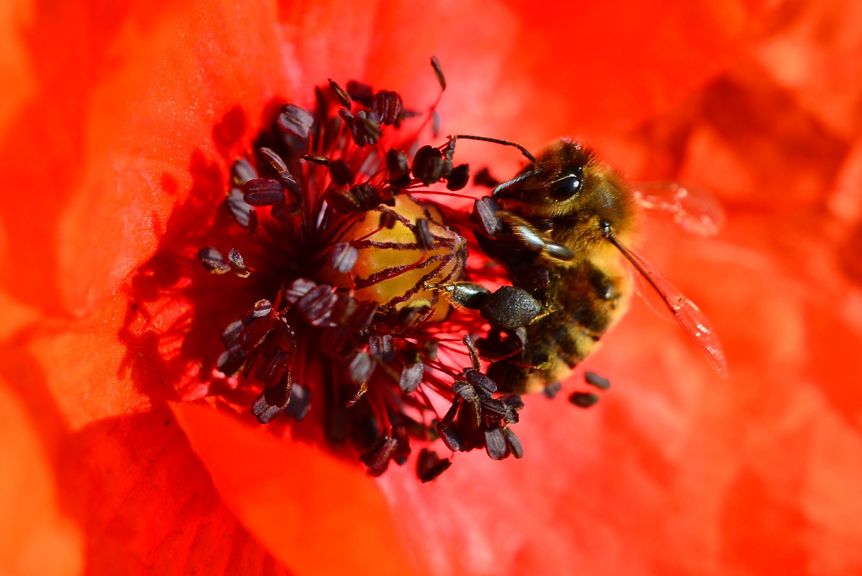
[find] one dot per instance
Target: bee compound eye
(567, 186)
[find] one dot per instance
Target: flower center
(358, 272)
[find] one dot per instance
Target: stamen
(352, 272)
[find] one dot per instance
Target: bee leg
(466, 294)
(507, 308)
(505, 226)
(511, 308)
(502, 346)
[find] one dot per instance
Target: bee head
(568, 188)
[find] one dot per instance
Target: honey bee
(561, 229)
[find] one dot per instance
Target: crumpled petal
(317, 514)
(35, 536)
(123, 121)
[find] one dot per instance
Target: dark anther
(241, 172)
(263, 192)
(423, 234)
(316, 305)
(276, 161)
(399, 168)
(315, 159)
(284, 175)
(430, 465)
(340, 173)
(360, 92)
(381, 345)
(231, 332)
(411, 377)
(239, 208)
(449, 417)
(387, 106)
(237, 263)
(360, 368)
(459, 177)
(583, 399)
(429, 165)
(350, 120)
(370, 126)
(485, 211)
(213, 261)
(365, 128)
(495, 408)
(343, 257)
(552, 389)
(514, 443)
(377, 459)
(465, 390)
(300, 402)
(495, 444)
(342, 200)
(343, 97)
(514, 402)
(595, 380)
(294, 127)
(297, 289)
(438, 71)
(483, 384)
(450, 438)
(272, 400)
(387, 219)
(261, 308)
(367, 196)
(231, 360)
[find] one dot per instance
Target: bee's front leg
(511, 230)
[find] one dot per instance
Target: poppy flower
(119, 128)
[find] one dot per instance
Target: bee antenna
(523, 150)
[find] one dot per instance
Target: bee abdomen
(584, 301)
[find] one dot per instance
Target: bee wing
(697, 211)
(694, 322)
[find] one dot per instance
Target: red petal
(35, 536)
(599, 67)
(317, 514)
(147, 504)
(108, 150)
